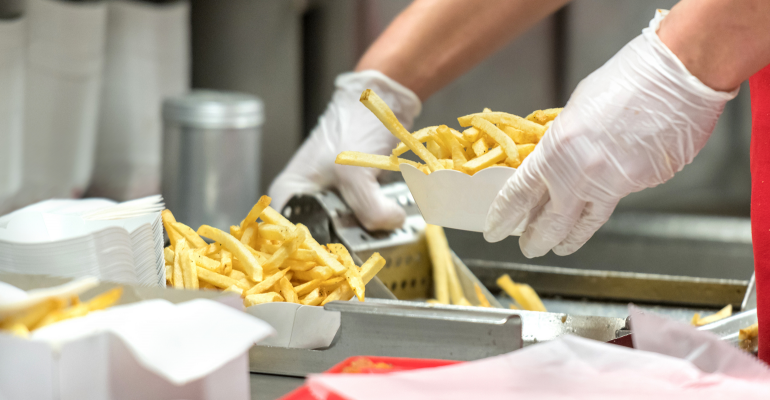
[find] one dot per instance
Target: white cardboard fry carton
(142, 349)
(296, 325)
(456, 200)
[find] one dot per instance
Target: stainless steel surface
(211, 147)
(617, 286)
(750, 299)
(270, 387)
(728, 328)
(666, 244)
(399, 329)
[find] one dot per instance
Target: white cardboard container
(296, 325)
(455, 200)
(102, 365)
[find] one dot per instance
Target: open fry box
(455, 200)
(101, 365)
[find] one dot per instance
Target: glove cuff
(404, 102)
(676, 66)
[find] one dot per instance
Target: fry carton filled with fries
(277, 268)
(85, 339)
(462, 171)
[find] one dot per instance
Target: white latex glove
(348, 125)
(628, 126)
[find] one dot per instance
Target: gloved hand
(628, 126)
(348, 125)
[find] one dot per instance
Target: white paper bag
(64, 64)
(12, 49)
(147, 59)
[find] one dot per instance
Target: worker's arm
(721, 42)
(424, 48)
(633, 123)
(433, 42)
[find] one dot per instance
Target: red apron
(760, 201)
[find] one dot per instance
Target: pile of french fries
(492, 139)
(54, 309)
(263, 262)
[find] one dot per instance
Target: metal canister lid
(214, 109)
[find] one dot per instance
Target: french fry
(256, 211)
(434, 148)
(502, 118)
(342, 292)
(330, 285)
(248, 235)
(372, 267)
(219, 280)
(524, 295)
(542, 117)
(308, 287)
(749, 332)
(168, 255)
(287, 248)
(296, 265)
(168, 224)
(210, 250)
(421, 136)
(261, 298)
(267, 283)
(480, 147)
(192, 238)
(274, 232)
(226, 260)
(205, 262)
(472, 134)
(233, 289)
(381, 110)
(322, 256)
(231, 244)
(519, 136)
(721, 314)
(458, 154)
(509, 147)
(358, 159)
(235, 231)
(313, 298)
(271, 216)
(352, 275)
(321, 272)
(480, 295)
(436, 239)
(189, 271)
(487, 160)
(181, 246)
(525, 150)
(287, 290)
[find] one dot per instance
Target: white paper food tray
(297, 326)
(456, 200)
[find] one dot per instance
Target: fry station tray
(395, 320)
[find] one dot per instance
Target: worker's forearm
(721, 42)
(433, 42)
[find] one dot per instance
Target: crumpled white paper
(577, 368)
(181, 342)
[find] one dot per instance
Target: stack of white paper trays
(120, 242)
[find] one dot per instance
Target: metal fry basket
(408, 272)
